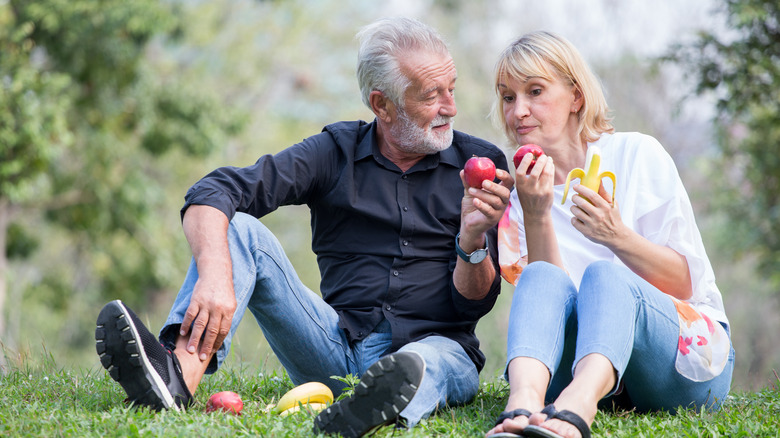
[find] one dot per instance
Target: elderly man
(406, 251)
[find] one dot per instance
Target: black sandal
(508, 415)
(564, 415)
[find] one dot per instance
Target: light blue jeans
(617, 314)
(303, 330)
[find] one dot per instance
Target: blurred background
(110, 110)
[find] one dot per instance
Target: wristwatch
(476, 256)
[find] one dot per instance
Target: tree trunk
(5, 215)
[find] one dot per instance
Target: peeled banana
(592, 178)
(312, 393)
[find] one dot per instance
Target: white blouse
(653, 202)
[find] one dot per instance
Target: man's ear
(382, 106)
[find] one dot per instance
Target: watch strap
(468, 257)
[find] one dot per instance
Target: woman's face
(539, 110)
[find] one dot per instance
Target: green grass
(38, 398)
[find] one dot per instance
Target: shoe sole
(383, 392)
(532, 431)
(122, 354)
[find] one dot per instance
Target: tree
(32, 125)
(741, 68)
(85, 118)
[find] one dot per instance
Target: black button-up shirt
(384, 239)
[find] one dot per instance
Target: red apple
(529, 148)
(227, 401)
(478, 169)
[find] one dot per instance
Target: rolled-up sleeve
(287, 178)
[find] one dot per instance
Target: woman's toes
(537, 419)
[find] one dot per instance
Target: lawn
(38, 398)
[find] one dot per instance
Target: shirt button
(406, 208)
(395, 273)
(404, 177)
(406, 242)
(360, 333)
(388, 308)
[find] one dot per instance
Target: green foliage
(349, 381)
(91, 124)
(21, 242)
(32, 110)
(98, 44)
(742, 70)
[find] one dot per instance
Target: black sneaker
(383, 392)
(150, 374)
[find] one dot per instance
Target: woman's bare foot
(515, 424)
(584, 408)
(529, 401)
(594, 377)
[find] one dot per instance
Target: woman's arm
(659, 265)
(535, 192)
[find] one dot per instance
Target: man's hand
(209, 315)
(481, 209)
(213, 303)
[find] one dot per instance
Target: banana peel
(590, 178)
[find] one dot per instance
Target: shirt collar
(367, 144)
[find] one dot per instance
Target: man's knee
(444, 358)
(246, 223)
(248, 233)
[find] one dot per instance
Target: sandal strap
(508, 415)
(569, 417)
(549, 410)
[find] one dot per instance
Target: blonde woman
(615, 302)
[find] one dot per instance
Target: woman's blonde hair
(546, 55)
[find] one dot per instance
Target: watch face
(473, 258)
(477, 256)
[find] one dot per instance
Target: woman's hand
(536, 195)
(535, 190)
(599, 220)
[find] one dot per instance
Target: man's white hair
(382, 44)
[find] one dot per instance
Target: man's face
(425, 124)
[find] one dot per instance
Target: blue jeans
(617, 314)
(302, 329)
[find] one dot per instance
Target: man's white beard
(414, 139)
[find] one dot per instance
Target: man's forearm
(473, 281)
(205, 228)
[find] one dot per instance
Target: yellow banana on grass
(311, 407)
(315, 394)
(592, 178)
